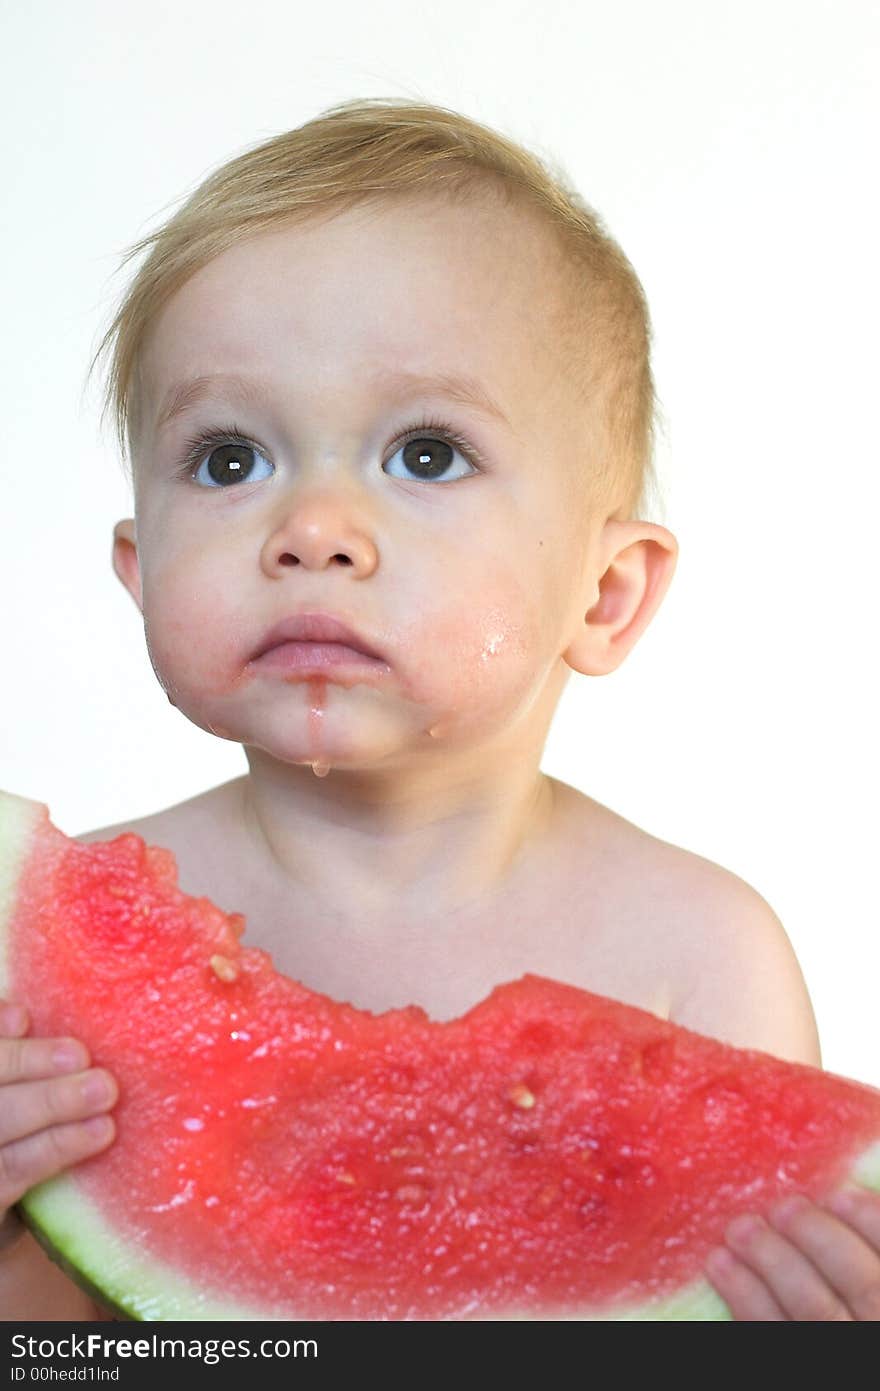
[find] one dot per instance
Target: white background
(731, 148)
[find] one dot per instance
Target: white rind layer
(136, 1282)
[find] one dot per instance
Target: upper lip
(315, 627)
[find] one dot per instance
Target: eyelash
(197, 445)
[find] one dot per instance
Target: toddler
(384, 382)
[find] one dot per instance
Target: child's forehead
(406, 250)
(385, 295)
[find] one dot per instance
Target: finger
(848, 1262)
(25, 1059)
(859, 1208)
(794, 1281)
(32, 1106)
(22, 1058)
(42, 1156)
(744, 1293)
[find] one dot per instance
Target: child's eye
(428, 457)
(230, 459)
(217, 458)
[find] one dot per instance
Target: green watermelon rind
(78, 1237)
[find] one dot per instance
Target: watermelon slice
(549, 1154)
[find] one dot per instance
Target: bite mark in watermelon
(549, 1154)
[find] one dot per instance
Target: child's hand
(46, 1100)
(810, 1261)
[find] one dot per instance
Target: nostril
(288, 559)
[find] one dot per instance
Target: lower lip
(316, 656)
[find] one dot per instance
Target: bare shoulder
(153, 829)
(188, 828)
(725, 958)
(740, 980)
(140, 828)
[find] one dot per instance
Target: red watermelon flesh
(549, 1154)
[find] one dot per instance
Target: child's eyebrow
(183, 396)
(465, 389)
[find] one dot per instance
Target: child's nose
(328, 529)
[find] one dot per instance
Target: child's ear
(125, 559)
(634, 568)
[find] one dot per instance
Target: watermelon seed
(224, 969)
(521, 1096)
(345, 1177)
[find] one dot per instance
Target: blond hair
(363, 150)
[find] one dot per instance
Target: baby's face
(466, 567)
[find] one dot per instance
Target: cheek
(191, 625)
(478, 650)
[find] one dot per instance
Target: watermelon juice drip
(547, 1152)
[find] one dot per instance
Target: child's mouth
(321, 638)
(307, 657)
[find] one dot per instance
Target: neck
(374, 854)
